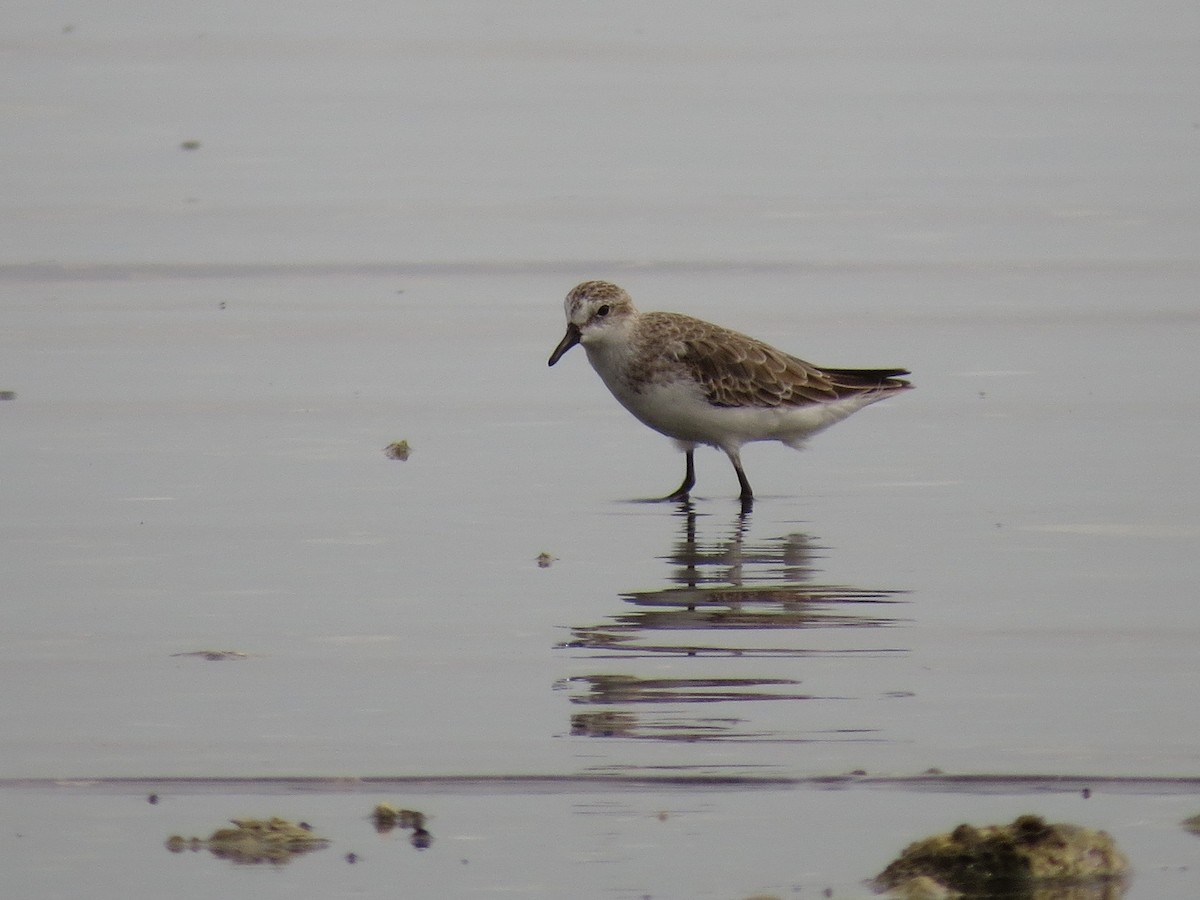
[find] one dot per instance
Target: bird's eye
(602, 311)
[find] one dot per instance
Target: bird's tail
(868, 379)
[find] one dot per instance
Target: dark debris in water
(388, 817)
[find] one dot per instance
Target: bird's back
(735, 369)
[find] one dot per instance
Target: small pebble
(397, 450)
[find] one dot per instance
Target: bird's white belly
(677, 406)
(680, 410)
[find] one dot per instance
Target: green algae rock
(1026, 859)
(273, 840)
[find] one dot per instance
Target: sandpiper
(699, 383)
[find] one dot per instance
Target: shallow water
(560, 837)
(203, 478)
(208, 351)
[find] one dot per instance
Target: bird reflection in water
(733, 606)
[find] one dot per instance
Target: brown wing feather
(737, 370)
(849, 381)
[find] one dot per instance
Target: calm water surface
(208, 350)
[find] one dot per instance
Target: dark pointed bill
(570, 339)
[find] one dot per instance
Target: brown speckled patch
(737, 370)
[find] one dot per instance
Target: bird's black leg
(747, 494)
(689, 480)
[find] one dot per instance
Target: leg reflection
(728, 601)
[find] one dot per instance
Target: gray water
(993, 575)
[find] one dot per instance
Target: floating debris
(1192, 824)
(273, 840)
(215, 655)
(8, 395)
(1004, 860)
(398, 450)
(189, 145)
(387, 817)
(546, 560)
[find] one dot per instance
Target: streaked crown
(586, 301)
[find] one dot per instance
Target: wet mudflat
(215, 567)
(560, 837)
(288, 491)
(217, 570)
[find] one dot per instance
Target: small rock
(272, 840)
(398, 450)
(1005, 859)
(387, 817)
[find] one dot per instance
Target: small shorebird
(699, 383)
